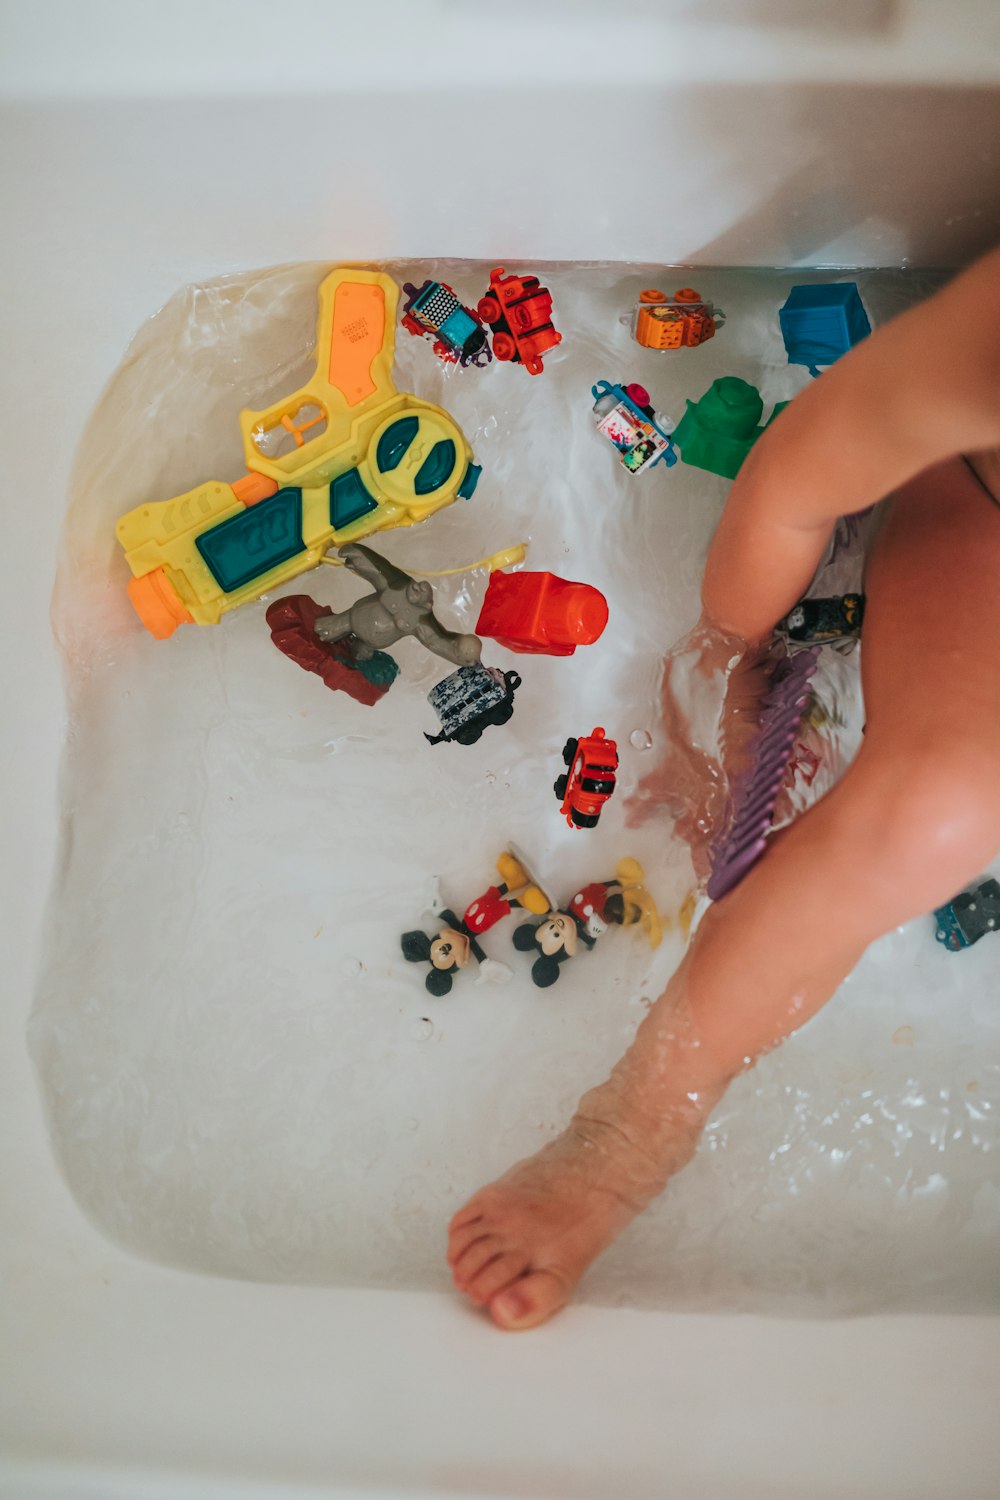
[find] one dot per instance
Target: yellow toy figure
(345, 456)
(624, 900)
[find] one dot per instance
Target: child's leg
(915, 817)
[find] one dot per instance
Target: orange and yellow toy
(682, 321)
(345, 456)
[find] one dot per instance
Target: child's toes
(470, 1213)
(475, 1257)
(529, 1301)
(459, 1240)
(496, 1275)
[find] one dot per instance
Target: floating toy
(347, 649)
(450, 949)
(519, 312)
(640, 436)
(623, 901)
(469, 701)
(817, 621)
(590, 779)
(969, 916)
(345, 456)
(433, 311)
(682, 321)
(820, 323)
(400, 606)
(540, 613)
(364, 674)
(717, 432)
(755, 794)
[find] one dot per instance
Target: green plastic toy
(717, 432)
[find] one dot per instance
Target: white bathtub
(144, 149)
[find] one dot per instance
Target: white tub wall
(148, 145)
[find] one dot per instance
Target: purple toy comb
(756, 791)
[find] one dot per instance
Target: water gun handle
(355, 341)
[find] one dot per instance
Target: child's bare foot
(520, 1245)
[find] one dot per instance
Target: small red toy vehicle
(590, 779)
(519, 312)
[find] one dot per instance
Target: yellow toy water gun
(343, 457)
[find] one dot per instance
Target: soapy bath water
(242, 1074)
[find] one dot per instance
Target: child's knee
(933, 821)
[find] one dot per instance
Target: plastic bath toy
(756, 793)
(519, 312)
(639, 435)
(623, 901)
(590, 780)
(450, 949)
(366, 676)
(682, 321)
(717, 432)
(433, 311)
(817, 621)
(400, 606)
(820, 323)
(469, 701)
(345, 456)
(969, 916)
(540, 613)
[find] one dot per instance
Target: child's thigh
(932, 628)
(930, 763)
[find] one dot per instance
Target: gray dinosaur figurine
(400, 606)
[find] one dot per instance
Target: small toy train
(433, 311)
(518, 310)
(969, 916)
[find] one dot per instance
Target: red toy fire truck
(590, 779)
(519, 312)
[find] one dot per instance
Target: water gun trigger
(355, 341)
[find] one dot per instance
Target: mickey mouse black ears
(416, 947)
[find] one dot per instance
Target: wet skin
(914, 818)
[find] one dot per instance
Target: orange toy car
(519, 312)
(590, 779)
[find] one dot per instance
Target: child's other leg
(914, 818)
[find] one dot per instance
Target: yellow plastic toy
(637, 903)
(345, 456)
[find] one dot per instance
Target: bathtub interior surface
(242, 1075)
(123, 1376)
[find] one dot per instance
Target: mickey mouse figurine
(623, 901)
(457, 941)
